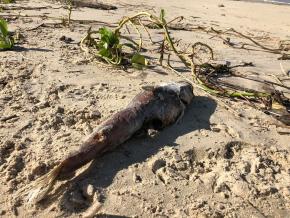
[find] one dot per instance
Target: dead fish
(153, 108)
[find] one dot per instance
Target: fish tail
(43, 185)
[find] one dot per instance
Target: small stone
(152, 132)
(156, 164)
(199, 204)
(177, 158)
(11, 185)
(43, 104)
(89, 191)
(56, 120)
(215, 129)
(273, 190)
(69, 120)
(20, 146)
(39, 170)
(286, 191)
(60, 110)
(137, 178)
(181, 165)
(95, 114)
(221, 5)
(221, 207)
(66, 39)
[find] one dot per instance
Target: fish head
(182, 89)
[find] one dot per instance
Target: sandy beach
(225, 158)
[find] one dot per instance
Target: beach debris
(284, 57)
(66, 39)
(285, 72)
(93, 210)
(152, 109)
(206, 74)
(93, 4)
(6, 118)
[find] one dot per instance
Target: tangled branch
(206, 75)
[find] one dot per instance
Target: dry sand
(212, 164)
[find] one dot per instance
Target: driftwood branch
(44, 17)
(93, 4)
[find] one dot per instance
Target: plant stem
(69, 11)
(125, 20)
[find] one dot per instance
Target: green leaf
(162, 14)
(109, 46)
(104, 31)
(108, 36)
(7, 1)
(104, 52)
(6, 42)
(3, 28)
(139, 61)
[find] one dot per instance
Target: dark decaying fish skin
(153, 109)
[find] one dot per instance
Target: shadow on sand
(22, 49)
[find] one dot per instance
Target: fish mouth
(185, 92)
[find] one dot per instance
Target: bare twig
(45, 17)
(10, 8)
(283, 70)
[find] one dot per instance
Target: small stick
(26, 8)
(4, 119)
(282, 69)
(93, 210)
(57, 18)
(70, 7)
(146, 30)
(140, 35)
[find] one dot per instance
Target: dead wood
(45, 17)
(93, 4)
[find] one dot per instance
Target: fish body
(156, 108)
(153, 109)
